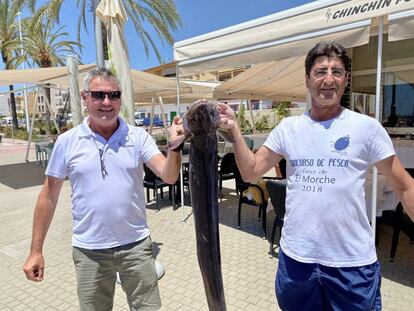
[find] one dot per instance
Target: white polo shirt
(107, 212)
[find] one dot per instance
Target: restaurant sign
(353, 11)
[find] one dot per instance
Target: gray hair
(100, 72)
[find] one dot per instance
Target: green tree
(162, 15)
(9, 41)
(44, 46)
(280, 110)
(244, 124)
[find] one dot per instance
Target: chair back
(227, 163)
(277, 194)
(186, 148)
(241, 185)
(149, 175)
(282, 167)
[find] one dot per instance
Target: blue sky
(198, 17)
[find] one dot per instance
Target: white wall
(4, 105)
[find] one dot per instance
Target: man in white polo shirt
(103, 158)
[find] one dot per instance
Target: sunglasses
(100, 95)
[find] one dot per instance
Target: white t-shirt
(326, 165)
(106, 212)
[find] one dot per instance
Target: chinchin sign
(358, 10)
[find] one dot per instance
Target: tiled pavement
(248, 271)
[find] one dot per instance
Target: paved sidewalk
(248, 271)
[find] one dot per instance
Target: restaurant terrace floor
(248, 270)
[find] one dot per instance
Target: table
(386, 198)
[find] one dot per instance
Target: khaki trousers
(96, 276)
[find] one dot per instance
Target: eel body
(200, 124)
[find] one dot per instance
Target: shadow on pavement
(250, 222)
(22, 175)
(402, 269)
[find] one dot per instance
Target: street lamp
(26, 108)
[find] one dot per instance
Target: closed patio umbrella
(75, 101)
(113, 15)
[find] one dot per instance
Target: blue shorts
(303, 286)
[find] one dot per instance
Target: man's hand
(176, 133)
(227, 117)
(34, 267)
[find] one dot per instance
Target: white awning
(280, 80)
(197, 92)
(285, 34)
(401, 26)
(40, 75)
(146, 86)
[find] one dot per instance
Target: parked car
(157, 122)
(139, 121)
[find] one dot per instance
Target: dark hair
(330, 49)
(100, 72)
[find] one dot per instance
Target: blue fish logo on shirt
(342, 143)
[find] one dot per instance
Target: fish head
(201, 122)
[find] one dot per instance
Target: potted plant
(281, 110)
(160, 139)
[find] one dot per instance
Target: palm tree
(9, 41)
(44, 47)
(161, 14)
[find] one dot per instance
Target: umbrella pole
(152, 115)
(31, 126)
(183, 218)
(249, 105)
(51, 111)
(164, 119)
(377, 115)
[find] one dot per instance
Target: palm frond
(45, 45)
(162, 15)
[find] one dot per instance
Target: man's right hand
(34, 267)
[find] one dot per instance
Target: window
(224, 76)
(397, 104)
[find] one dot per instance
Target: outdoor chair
(277, 194)
(186, 184)
(39, 154)
(186, 149)
(399, 221)
(152, 181)
(225, 171)
(47, 150)
(43, 152)
(242, 186)
(402, 222)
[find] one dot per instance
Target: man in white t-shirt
(327, 258)
(103, 159)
